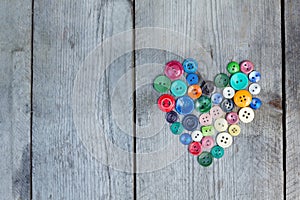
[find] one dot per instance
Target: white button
(254, 88)
(221, 125)
(197, 136)
(246, 115)
(224, 140)
(228, 92)
(216, 112)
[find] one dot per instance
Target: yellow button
(194, 91)
(234, 130)
(242, 98)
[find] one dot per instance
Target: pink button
(195, 148)
(173, 70)
(205, 119)
(232, 118)
(207, 142)
(216, 112)
(246, 66)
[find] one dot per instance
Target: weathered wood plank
(67, 162)
(15, 79)
(227, 30)
(292, 39)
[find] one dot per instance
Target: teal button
(217, 152)
(176, 128)
(205, 159)
(239, 81)
(203, 104)
(221, 80)
(162, 84)
(178, 88)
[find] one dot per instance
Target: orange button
(242, 98)
(194, 91)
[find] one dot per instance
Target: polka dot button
(176, 128)
(227, 105)
(232, 118)
(192, 79)
(208, 88)
(221, 80)
(190, 122)
(228, 92)
(216, 98)
(254, 76)
(234, 130)
(184, 105)
(242, 98)
(216, 112)
(239, 81)
(224, 140)
(254, 88)
(194, 91)
(246, 115)
(185, 139)
(207, 130)
(190, 65)
(173, 70)
(255, 103)
(195, 148)
(217, 152)
(207, 142)
(166, 102)
(221, 125)
(205, 159)
(205, 119)
(171, 117)
(203, 104)
(197, 136)
(246, 66)
(178, 88)
(162, 84)
(233, 67)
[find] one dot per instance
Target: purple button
(173, 70)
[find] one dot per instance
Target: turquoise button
(176, 128)
(178, 88)
(217, 152)
(239, 81)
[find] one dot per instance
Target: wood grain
(227, 30)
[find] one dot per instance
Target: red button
(166, 102)
(173, 70)
(195, 148)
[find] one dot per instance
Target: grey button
(190, 122)
(208, 88)
(227, 105)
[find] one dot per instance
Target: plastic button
(173, 70)
(255, 103)
(228, 92)
(203, 104)
(246, 115)
(216, 98)
(185, 139)
(176, 128)
(232, 118)
(184, 105)
(242, 98)
(205, 119)
(239, 81)
(233, 67)
(205, 159)
(254, 76)
(166, 102)
(216, 112)
(190, 122)
(208, 88)
(195, 148)
(207, 142)
(178, 88)
(192, 79)
(221, 125)
(190, 65)
(221, 80)
(217, 152)
(254, 88)
(246, 66)
(196, 136)
(162, 84)
(194, 91)
(171, 117)
(227, 105)
(224, 140)
(207, 130)
(234, 130)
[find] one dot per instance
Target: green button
(203, 104)
(207, 130)
(205, 159)
(217, 152)
(233, 67)
(239, 81)
(221, 80)
(162, 84)
(178, 88)
(176, 128)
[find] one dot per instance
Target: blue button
(216, 98)
(185, 138)
(190, 65)
(171, 117)
(254, 76)
(178, 88)
(255, 103)
(190, 122)
(184, 105)
(192, 79)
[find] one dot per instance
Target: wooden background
(42, 45)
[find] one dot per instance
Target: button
(171, 117)
(197, 136)
(173, 70)
(233, 67)
(185, 138)
(221, 125)
(203, 104)
(162, 84)
(246, 66)
(254, 76)
(205, 159)
(216, 112)
(232, 118)
(207, 130)
(216, 98)
(192, 79)
(194, 91)
(254, 88)
(166, 102)
(228, 92)
(221, 80)
(246, 115)
(207, 142)
(239, 81)
(242, 98)
(255, 103)
(184, 105)
(195, 148)
(176, 128)
(178, 88)
(234, 130)
(205, 119)
(190, 65)
(227, 105)
(224, 140)
(208, 88)
(190, 122)
(217, 152)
